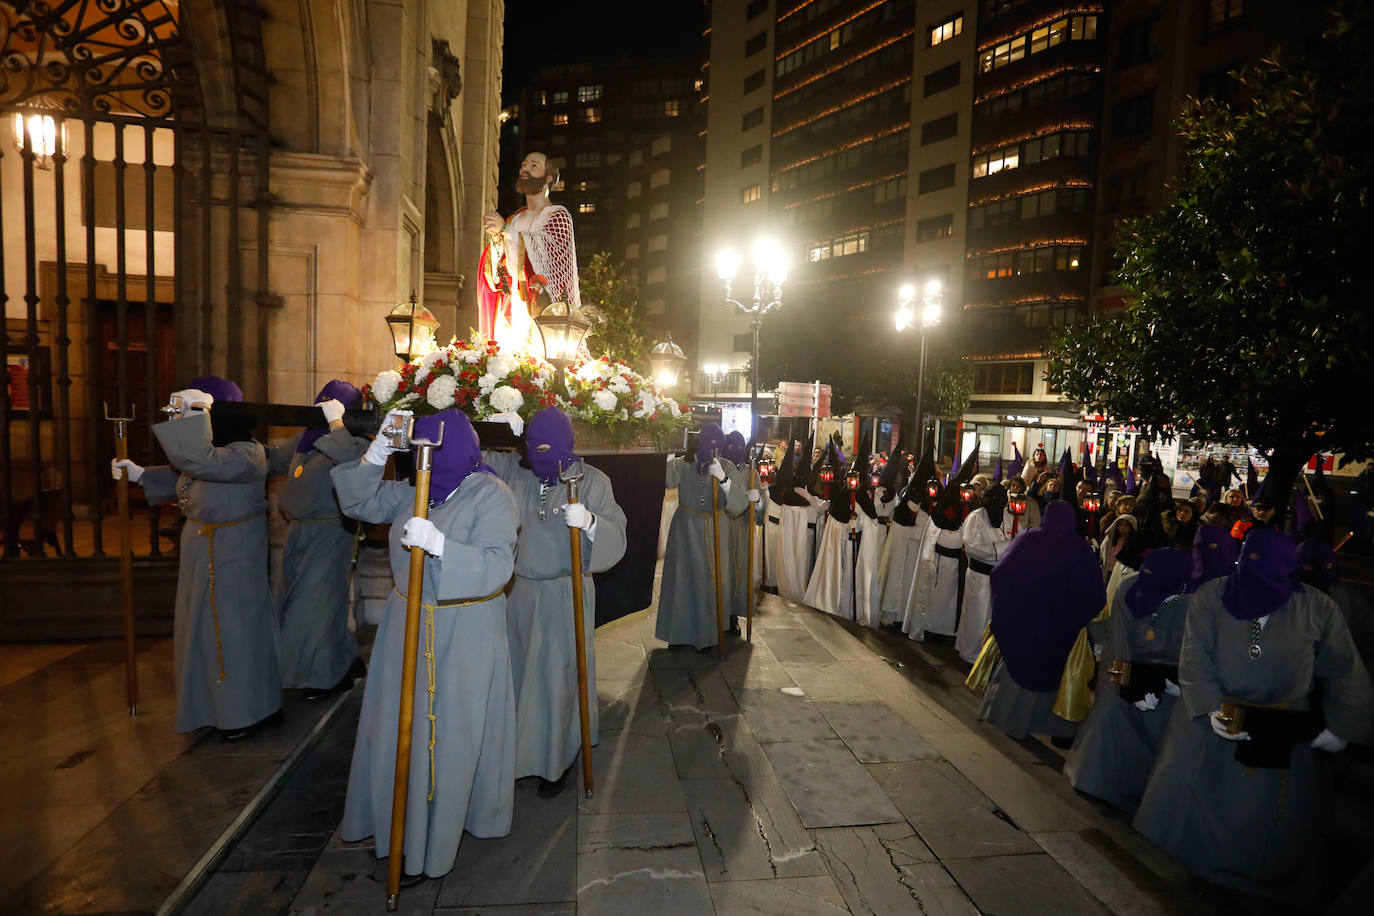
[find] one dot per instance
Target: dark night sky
(582, 31)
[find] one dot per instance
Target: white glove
(510, 417)
(381, 446)
(1171, 688)
(193, 397)
(716, 470)
(420, 532)
(1097, 651)
(1149, 703)
(135, 472)
(579, 516)
(1328, 741)
(756, 498)
(332, 410)
(1220, 728)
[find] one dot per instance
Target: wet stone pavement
(806, 773)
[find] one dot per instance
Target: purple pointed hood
(1214, 555)
(710, 443)
(1017, 462)
(1163, 573)
(1265, 575)
(1131, 485)
(1045, 588)
(458, 456)
(221, 389)
(549, 426)
(1317, 565)
(735, 449)
(997, 472)
(337, 390)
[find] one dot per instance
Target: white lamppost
(770, 273)
(715, 374)
(932, 298)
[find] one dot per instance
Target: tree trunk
(1284, 467)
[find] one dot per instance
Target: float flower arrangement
(475, 376)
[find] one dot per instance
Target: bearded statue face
(535, 175)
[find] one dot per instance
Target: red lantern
(852, 481)
(827, 475)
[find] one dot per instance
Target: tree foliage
(606, 284)
(1248, 320)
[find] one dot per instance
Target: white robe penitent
(982, 544)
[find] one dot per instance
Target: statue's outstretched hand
(493, 223)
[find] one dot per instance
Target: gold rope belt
(208, 529)
(430, 665)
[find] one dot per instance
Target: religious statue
(530, 253)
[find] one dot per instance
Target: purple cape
(1265, 575)
(1046, 587)
(458, 456)
(550, 427)
(338, 390)
(1164, 573)
(1214, 555)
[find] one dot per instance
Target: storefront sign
(1019, 419)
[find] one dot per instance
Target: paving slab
(887, 869)
(1031, 804)
(831, 634)
(520, 909)
(753, 665)
(632, 790)
(778, 716)
(795, 645)
(534, 863)
(633, 706)
(827, 786)
(905, 698)
(718, 747)
(1106, 871)
(747, 829)
(828, 681)
(691, 696)
(352, 882)
(1022, 884)
(639, 864)
(949, 813)
(873, 734)
(628, 749)
(619, 661)
(811, 896)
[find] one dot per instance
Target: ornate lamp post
(932, 299)
(715, 374)
(666, 360)
(770, 273)
(412, 329)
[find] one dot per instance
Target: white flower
(604, 399)
(407, 399)
(505, 398)
(648, 404)
(440, 394)
(421, 374)
(429, 359)
(672, 407)
(471, 356)
(593, 370)
(385, 384)
(619, 384)
(502, 365)
(486, 383)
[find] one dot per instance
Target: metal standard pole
(715, 572)
(749, 581)
(414, 590)
(920, 397)
(580, 635)
(126, 560)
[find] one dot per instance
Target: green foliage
(949, 390)
(1248, 318)
(606, 284)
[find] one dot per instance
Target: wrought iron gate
(134, 255)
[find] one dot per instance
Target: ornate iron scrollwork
(97, 56)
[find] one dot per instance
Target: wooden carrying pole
(424, 456)
(126, 560)
(580, 635)
(715, 569)
(749, 606)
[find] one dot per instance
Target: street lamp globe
(906, 293)
(930, 315)
(934, 288)
(727, 264)
(903, 318)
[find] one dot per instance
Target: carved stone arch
(442, 188)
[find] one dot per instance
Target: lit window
(560, 97)
(656, 275)
(637, 157)
(946, 30)
(659, 211)
(591, 115)
(631, 251)
(541, 98)
(560, 120)
(586, 206)
(588, 93)
(634, 190)
(632, 221)
(699, 85)
(670, 108)
(660, 146)
(658, 242)
(660, 178)
(750, 194)
(1220, 12)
